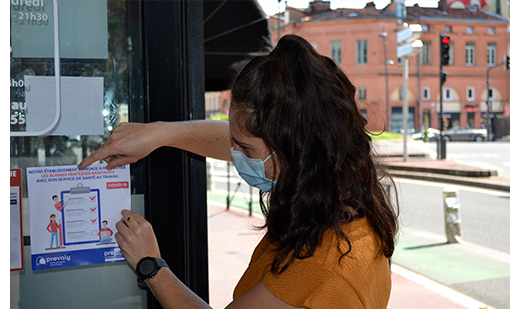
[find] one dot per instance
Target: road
(484, 214)
(491, 155)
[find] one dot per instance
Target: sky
(271, 6)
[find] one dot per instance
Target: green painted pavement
(448, 263)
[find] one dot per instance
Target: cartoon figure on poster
(58, 206)
(71, 211)
(105, 234)
(54, 229)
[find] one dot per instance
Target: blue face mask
(252, 170)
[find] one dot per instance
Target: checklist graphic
(81, 215)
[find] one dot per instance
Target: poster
(73, 214)
(16, 234)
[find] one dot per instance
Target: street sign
(408, 40)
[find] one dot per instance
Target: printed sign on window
(73, 214)
(16, 221)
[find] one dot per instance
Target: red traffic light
(445, 40)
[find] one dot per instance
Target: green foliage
(219, 116)
(385, 135)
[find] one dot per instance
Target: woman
(296, 132)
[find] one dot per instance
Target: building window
(336, 52)
(447, 94)
(362, 93)
(492, 30)
(361, 52)
(491, 93)
(425, 53)
(426, 93)
(400, 93)
(470, 54)
(364, 113)
(448, 29)
(425, 28)
(470, 93)
(470, 30)
(491, 54)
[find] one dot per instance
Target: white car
(431, 133)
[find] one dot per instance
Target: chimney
(318, 6)
(442, 5)
(370, 5)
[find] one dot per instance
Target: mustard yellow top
(361, 280)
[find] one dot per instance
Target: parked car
(431, 133)
(477, 135)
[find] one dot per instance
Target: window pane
(336, 52)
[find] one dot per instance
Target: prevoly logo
(113, 255)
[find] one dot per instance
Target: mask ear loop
(265, 160)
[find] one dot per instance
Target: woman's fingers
(136, 237)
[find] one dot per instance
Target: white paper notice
(73, 214)
(81, 105)
(16, 234)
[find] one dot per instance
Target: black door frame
(175, 188)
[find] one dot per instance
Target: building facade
(364, 43)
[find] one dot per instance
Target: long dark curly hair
(303, 107)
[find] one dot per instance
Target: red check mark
(93, 209)
(93, 221)
(92, 198)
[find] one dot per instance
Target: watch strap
(141, 278)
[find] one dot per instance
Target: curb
(494, 182)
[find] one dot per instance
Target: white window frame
(426, 93)
(362, 93)
(491, 54)
(491, 93)
(361, 52)
(472, 96)
(447, 95)
(425, 53)
(470, 54)
(336, 51)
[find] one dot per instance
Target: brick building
(357, 38)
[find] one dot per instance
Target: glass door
(73, 79)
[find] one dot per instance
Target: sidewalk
(232, 238)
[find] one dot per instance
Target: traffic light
(444, 54)
(443, 77)
(507, 63)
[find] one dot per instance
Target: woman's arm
(131, 142)
(136, 240)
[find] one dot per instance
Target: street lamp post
(383, 35)
(409, 44)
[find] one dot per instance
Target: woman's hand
(128, 143)
(136, 238)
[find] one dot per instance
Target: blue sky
(271, 6)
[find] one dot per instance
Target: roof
(413, 13)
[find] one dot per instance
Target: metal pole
(489, 124)
(440, 150)
(405, 104)
(228, 185)
(418, 96)
(386, 75)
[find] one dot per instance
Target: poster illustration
(73, 214)
(16, 236)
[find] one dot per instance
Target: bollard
(451, 215)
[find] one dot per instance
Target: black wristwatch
(147, 268)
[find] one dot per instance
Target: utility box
(451, 215)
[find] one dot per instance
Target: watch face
(147, 266)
